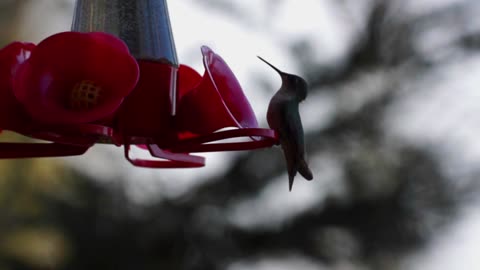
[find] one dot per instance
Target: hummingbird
(283, 117)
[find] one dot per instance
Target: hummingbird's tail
(295, 163)
(304, 170)
(291, 177)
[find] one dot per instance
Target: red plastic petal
(96, 65)
(216, 101)
(12, 115)
(229, 89)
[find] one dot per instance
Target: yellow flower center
(85, 95)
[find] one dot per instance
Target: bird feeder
(115, 79)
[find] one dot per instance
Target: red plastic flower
(75, 78)
(210, 106)
(13, 115)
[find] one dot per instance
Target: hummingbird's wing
(293, 129)
(302, 165)
(292, 141)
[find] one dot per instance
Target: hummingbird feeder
(115, 79)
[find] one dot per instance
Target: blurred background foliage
(378, 198)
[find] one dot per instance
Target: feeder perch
(115, 79)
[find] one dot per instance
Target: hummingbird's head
(292, 84)
(295, 84)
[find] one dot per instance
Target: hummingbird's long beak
(272, 66)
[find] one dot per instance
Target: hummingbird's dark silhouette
(283, 117)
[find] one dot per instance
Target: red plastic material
(32, 150)
(169, 160)
(98, 61)
(79, 134)
(12, 115)
(146, 111)
(77, 89)
(262, 138)
(216, 101)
